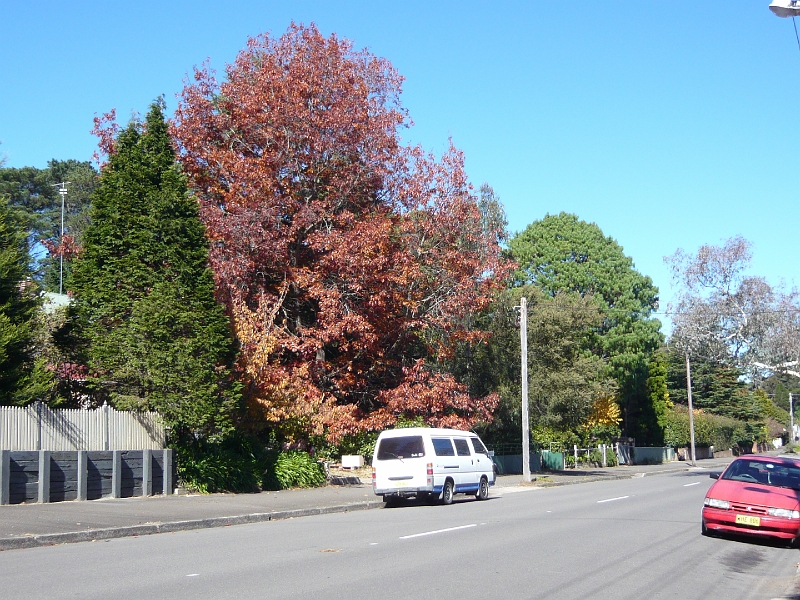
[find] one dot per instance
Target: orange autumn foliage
(349, 263)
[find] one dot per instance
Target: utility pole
(791, 419)
(523, 340)
(62, 190)
(691, 412)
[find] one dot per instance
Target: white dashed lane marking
(407, 537)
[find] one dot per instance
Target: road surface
(637, 538)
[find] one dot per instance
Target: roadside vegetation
(281, 284)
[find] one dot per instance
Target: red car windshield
(778, 474)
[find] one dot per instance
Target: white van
(430, 464)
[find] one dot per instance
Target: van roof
(425, 431)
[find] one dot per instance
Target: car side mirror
(490, 453)
(714, 475)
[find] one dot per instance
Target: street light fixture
(62, 190)
(786, 8)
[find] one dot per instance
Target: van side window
(461, 446)
(443, 447)
(409, 446)
(478, 446)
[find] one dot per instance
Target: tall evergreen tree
(561, 253)
(22, 378)
(155, 336)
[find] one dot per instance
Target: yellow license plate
(748, 520)
(400, 483)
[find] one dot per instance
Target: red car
(755, 496)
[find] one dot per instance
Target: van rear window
(409, 446)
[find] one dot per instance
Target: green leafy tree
(23, 379)
(35, 201)
(564, 379)
(561, 253)
(155, 338)
(718, 389)
(653, 415)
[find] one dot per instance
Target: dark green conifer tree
(22, 378)
(155, 338)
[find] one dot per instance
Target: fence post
(5, 476)
(105, 427)
(83, 474)
(44, 476)
(575, 450)
(167, 462)
(38, 424)
(116, 474)
(147, 473)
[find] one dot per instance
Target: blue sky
(670, 124)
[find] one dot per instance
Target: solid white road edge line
(406, 537)
(612, 499)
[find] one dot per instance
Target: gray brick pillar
(116, 474)
(5, 476)
(83, 474)
(44, 476)
(147, 473)
(168, 455)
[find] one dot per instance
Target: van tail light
(374, 482)
(430, 474)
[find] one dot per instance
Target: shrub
(234, 464)
(710, 430)
(293, 469)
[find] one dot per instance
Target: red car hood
(742, 492)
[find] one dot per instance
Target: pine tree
(156, 339)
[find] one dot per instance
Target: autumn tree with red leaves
(350, 264)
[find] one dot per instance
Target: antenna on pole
(62, 190)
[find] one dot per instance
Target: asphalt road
(637, 538)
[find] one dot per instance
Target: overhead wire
(797, 37)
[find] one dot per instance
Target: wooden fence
(38, 427)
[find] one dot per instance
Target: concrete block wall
(46, 476)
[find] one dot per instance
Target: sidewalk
(31, 525)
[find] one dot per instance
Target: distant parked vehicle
(430, 464)
(756, 496)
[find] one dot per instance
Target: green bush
(234, 464)
(711, 430)
(293, 469)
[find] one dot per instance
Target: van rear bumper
(402, 491)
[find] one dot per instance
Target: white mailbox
(352, 461)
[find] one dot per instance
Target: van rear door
(400, 463)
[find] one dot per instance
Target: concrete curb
(793, 591)
(605, 477)
(51, 539)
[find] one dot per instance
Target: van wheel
(483, 490)
(447, 492)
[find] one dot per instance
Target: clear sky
(669, 124)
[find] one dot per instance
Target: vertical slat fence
(37, 427)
